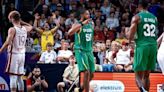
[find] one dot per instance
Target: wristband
(81, 23)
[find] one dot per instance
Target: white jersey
(48, 57)
(123, 57)
(161, 48)
(19, 40)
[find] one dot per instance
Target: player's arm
(35, 26)
(53, 30)
(159, 40)
(27, 26)
(11, 33)
(76, 27)
(133, 28)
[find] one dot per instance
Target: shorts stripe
(83, 60)
(84, 64)
(8, 63)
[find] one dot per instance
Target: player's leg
(12, 69)
(151, 62)
(91, 61)
(86, 80)
(13, 82)
(21, 72)
(139, 82)
(20, 84)
(146, 80)
(140, 65)
(83, 67)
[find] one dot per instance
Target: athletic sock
(142, 89)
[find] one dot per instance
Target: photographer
(36, 82)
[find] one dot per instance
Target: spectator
(121, 36)
(124, 60)
(117, 13)
(109, 34)
(98, 67)
(101, 53)
(49, 56)
(98, 34)
(71, 20)
(125, 20)
(57, 41)
(109, 61)
(36, 44)
(46, 32)
(36, 81)
(42, 20)
(98, 24)
(53, 5)
(107, 67)
(105, 8)
(69, 76)
(56, 18)
(99, 15)
(29, 43)
(64, 53)
(111, 22)
(154, 7)
(108, 45)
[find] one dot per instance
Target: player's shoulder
(12, 30)
(136, 18)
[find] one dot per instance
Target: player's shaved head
(14, 15)
(143, 3)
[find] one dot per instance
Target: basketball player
(160, 55)
(84, 31)
(16, 50)
(144, 28)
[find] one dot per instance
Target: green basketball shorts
(85, 60)
(145, 58)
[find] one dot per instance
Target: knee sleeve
(13, 81)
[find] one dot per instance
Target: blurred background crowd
(111, 17)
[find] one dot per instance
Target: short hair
(144, 3)
(15, 15)
(79, 13)
(49, 44)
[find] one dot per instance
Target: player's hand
(37, 83)
(53, 15)
(37, 17)
(86, 21)
(57, 23)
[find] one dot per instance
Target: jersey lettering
(150, 30)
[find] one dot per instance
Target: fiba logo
(3, 84)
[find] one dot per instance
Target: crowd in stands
(53, 18)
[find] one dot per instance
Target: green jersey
(84, 38)
(146, 29)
